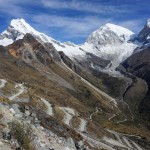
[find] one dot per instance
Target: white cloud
(10, 7)
(134, 25)
(15, 8)
(83, 6)
(72, 27)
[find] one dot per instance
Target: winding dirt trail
(97, 109)
(21, 90)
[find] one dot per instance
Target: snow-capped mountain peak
(109, 34)
(111, 43)
(118, 29)
(21, 26)
(17, 29)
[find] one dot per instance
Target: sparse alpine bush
(23, 133)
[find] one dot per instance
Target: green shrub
(4, 100)
(23, 133)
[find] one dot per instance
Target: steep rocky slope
(139, 65)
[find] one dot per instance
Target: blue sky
(74, 20)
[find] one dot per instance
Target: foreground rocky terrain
(51, 99)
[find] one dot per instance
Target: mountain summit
(21, 26)
(17, 29)
(111, 42)
(109, 34)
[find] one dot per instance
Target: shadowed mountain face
(144, 34)
(139, 65)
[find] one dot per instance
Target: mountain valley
(73, 97)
